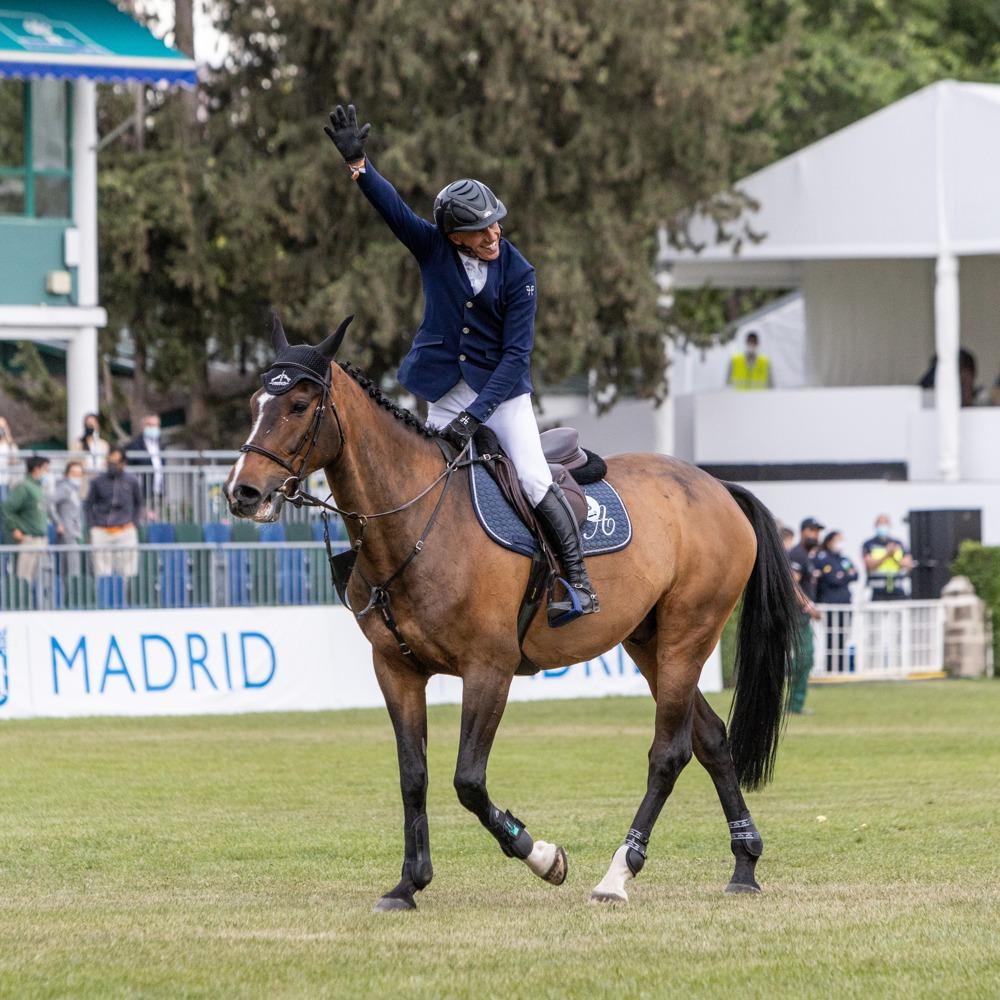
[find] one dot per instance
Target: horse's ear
(331, 345)
(278, 338)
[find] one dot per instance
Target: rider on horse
(471, 357)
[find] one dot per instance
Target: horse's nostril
(245, 494)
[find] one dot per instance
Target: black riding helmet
(465, 206)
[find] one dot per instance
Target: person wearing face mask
(836, 573)
(750, 370)
(92, 444)
(27, 520)
(147, 443)
(113, 508)
(471, 357)
(66, 513)
(887, 562)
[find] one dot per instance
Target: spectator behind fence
(750, 370)
(66, 512)
(804, 570)
(25, 515)
(887, 562)
(835, 571)
(113, 508)
(9, 458)
(835, 575)
(91, 442)
(148, 442)
(969, 393)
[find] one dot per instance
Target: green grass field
(240, 857)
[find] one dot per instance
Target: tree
(595, 121)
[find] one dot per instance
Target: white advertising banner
(223, 660)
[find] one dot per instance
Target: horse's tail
(766, 642)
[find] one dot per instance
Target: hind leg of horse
(712, 750)
(678, 665)
(406, 699)
(484, 698)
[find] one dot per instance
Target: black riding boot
(563, 532)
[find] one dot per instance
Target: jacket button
(461, 357)
(468, 305)
(465, 329)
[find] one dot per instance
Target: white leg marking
(541, 858)
(611, 889)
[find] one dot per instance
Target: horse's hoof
(740, 888)
(606, 896)
(387, 904)
(560, 868)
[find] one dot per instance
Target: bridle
(291, 490)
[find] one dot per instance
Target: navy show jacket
(486, 338)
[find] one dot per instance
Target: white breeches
(516, 429)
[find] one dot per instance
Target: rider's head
(469, 214)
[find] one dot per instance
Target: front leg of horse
(405, 697)
(483, 702)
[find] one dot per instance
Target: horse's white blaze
(542, 858)
(612, 886)
(262, 402)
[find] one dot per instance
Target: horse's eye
(301, 406)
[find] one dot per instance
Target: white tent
(871, 223)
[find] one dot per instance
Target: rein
(291, 489)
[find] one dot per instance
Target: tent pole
(81, 353)
(947, 394)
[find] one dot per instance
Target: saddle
(572, 468)
(508, 518)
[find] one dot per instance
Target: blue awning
(88, 39)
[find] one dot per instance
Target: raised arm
(416, 234)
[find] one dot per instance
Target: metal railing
(187, 487)
(201, 575)
(878, 639)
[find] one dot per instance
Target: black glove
(459, 432)
(345, 134)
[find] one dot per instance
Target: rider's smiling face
(483, 243)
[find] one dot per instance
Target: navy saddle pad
(607, 529)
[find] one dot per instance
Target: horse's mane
(411, 420)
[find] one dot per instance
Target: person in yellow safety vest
(887, 562)
(750, 370)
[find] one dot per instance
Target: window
(35, 172)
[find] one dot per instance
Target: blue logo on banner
(246, 660)
(4, 682)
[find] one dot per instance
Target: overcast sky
(207, 42)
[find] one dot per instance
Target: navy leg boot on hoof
(561, 528)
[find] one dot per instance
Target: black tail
(765, 644)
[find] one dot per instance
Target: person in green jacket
(27, 520)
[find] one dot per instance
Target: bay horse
(698, 545)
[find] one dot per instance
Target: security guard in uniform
(750, 370)
(471, 357)
(887, 562)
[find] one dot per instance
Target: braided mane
(381, 399)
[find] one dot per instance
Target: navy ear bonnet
(293, 365)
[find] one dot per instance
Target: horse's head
(294, 429)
